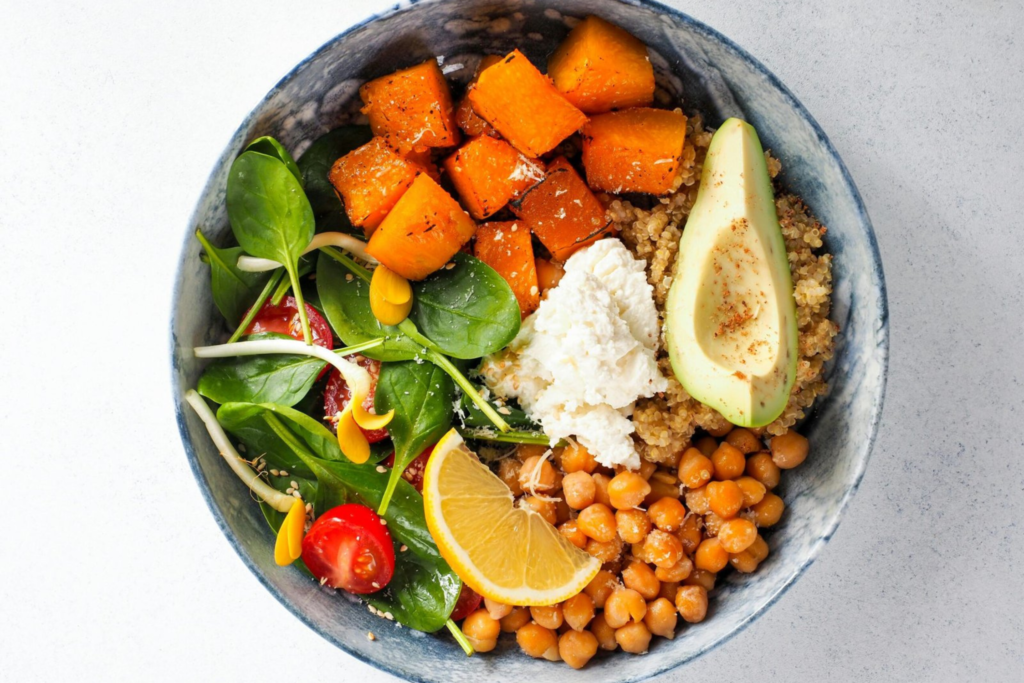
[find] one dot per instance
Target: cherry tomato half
(468, 602)
(337, 396)
(347, 547)
(414, 472)
(284, 319)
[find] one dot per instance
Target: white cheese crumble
(581, 361)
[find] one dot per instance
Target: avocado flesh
(730, 322)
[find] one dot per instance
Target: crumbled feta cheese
(580, 362)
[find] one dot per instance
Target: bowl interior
(712, 76)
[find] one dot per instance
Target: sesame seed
(348, 277)
(284, 473)
(275, 473)
(383, 521)
(296, 494)
(449, 266)
(375, 584)
(294, 484)
(289, 490)
(403, 548)
(389, 616)
(309, 507)
(504, 411)
(370, 636)
(382, 469)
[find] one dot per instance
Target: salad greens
(272, 148)
(234, 291)
(316, 163)
(270, 216)
(422, 396)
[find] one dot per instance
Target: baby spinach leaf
(281, 379)
(234, 290)
(346, 302)
(468, 311)
(270, 215)
(272, 148)
(316, 163)
(471, 416)
(422, 396)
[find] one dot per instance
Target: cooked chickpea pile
(663, 533)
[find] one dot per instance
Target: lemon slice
(503, 552)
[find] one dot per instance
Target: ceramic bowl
(714, 76)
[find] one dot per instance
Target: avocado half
(730, 321)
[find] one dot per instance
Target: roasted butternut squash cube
(562, 211)
(413, 107)
(523, 105)
(369, 180)
(467, 119)
(508, 248)
(634, 150)
(488, 173)
(600, 67)
(423, 230)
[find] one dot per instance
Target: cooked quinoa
(664, 424)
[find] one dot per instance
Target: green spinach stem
(536, 438)
(257, 305)
(344, 259)
(442, 361)
(460, 637)
(301, 304)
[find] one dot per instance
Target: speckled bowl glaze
(713, 76)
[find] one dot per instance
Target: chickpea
(496, 609)
(744, 441)
(725, 498)
(667, 514)
(668, 590)
(548, 616)
(706, 445)
(578, 611)
(663, 549)
(711, 556)
(661, 489)
(537, 641)
(634, 638)
(563, 513)
(597, 522)
(577, 647)
(719, 431)
(769, 511)
(572, 531)
(525, 451)
(604, 633)
(638, 552)
(702, 578)
(536, 474)
(758, 549)
(622, 605)
(545, 508)
(697, 500)
(753, 490)
(690, 534)
(743, 562)
(633, 525)
(789, 450)
(508, 472)
(606, 552)
(661, 618)
(728, 461)
(641, 578)
(576, 458)
(677, 572)
(627, 490)
(601, 496)
(692, 603)
(482, 630)
(712, 523)
(736, 535)
(600, 587)
(760, 466)
(647, 469)
(515, 620)
(579, 490)
(695, 469)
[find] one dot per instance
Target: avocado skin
(735, 191)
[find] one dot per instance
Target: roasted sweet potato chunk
(369, 180)
(423, 230)
(523, 105)
(467, 119)
(634, 150)
(488, 173)
(600, 67)
(562, 211)
(508, 248)
(413, 107)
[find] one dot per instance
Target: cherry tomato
(468, 602)
(414, 472)
(349, 548)
(337, 395)
(284, 319)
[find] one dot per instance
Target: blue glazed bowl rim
(882, 324)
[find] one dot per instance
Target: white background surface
(112, 568)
